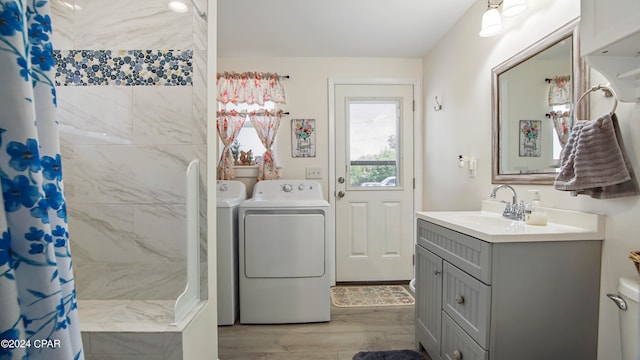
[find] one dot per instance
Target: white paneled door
(374, 182)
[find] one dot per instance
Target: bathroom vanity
(491, 288)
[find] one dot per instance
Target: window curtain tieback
(562, 124)
(228, 125)
(266, 124)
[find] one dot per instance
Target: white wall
(307, 97)
(528, 103)
(458, 71)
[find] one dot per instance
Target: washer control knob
(223, 187)
(301, 187)
(287, 188)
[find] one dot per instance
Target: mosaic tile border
(124, 67)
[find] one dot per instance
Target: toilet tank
(629, 291)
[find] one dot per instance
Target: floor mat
(377, 295)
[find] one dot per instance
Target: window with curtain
(247, 137)
(559, 100)
(248, 120)
(560, 115)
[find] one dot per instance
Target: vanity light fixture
(492, 18)
(491, 21)
(513, 7)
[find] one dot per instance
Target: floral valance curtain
(560, 90)
(38, 307)
(266, 124)
(229, 124)
(560, 94)
(249, 88)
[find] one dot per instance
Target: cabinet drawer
(468, 253)
(467, 301)
(456, 344)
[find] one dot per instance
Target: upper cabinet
(610, 41)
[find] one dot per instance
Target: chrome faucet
(512, 210)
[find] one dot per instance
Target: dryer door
(284, 245)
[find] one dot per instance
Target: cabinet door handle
(459, 299)
(622, 305)
(457, 355)
(437, 272)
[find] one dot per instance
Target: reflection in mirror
(532, 99)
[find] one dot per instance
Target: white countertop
(488, 224)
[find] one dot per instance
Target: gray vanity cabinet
(428, 298)
(505, 300)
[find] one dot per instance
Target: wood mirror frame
(580, 79)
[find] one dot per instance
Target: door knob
(341, 180)
(341, 194)
(457, 355)
(459, 299)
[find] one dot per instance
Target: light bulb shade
(513, 7)
(491, 23)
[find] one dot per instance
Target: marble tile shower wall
(126, 144)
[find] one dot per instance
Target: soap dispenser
(536, 215)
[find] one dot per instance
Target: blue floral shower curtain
(38, 309)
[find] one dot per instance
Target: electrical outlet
(313, 173)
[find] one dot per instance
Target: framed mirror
(533, 96)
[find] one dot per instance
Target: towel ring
(604, 88)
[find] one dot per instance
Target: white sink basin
(492, 227)
(482, 219)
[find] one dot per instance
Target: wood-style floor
(350, 330)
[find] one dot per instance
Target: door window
(372, 151)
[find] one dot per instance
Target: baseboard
(382, 282)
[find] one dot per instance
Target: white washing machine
(285, 231)
(229, 195)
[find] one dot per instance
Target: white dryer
(229, 195)
(285, 231)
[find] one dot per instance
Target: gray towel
(594, 161)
